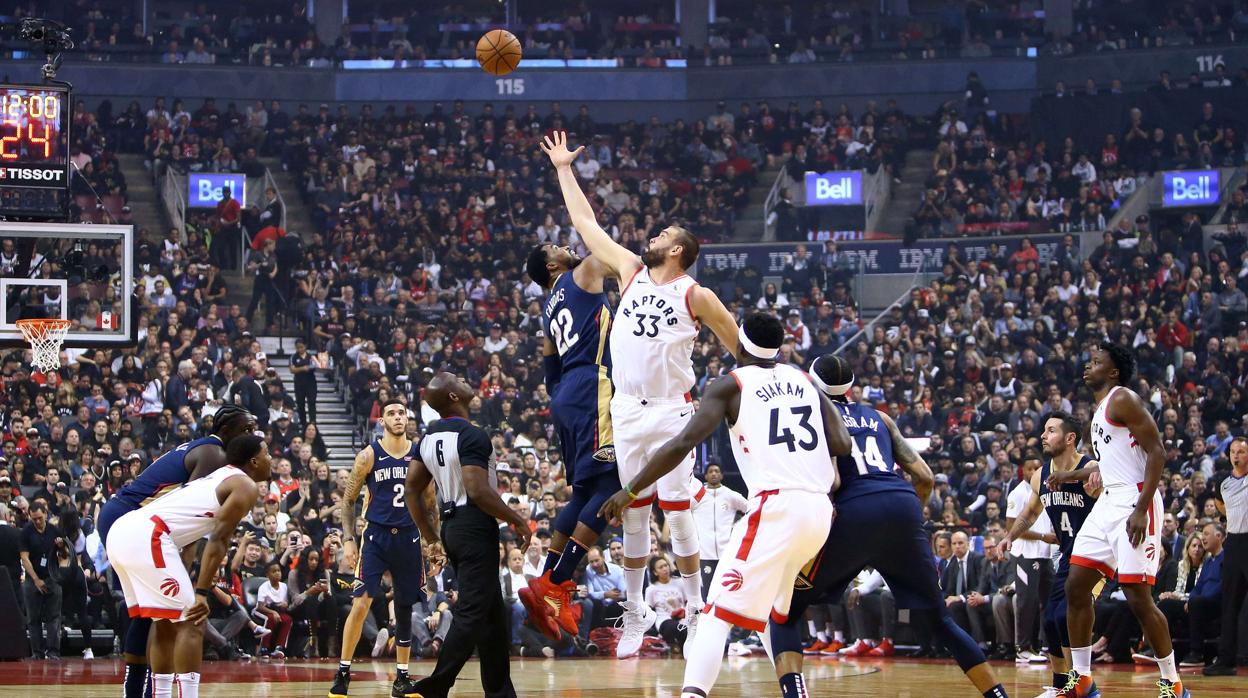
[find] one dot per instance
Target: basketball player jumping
(784, 435)
(391, 542)
(656, 324)
(146, 553)
(1056, 492)
(879, 522)
(189, 461)
(1122, 535)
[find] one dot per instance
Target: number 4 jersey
(778, 438)
(869, 468)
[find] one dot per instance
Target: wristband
(205, 592)
(629, 491)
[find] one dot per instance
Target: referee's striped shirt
(1233, 492)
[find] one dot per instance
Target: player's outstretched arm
(355, 482)
(1125, 407)
(1020, 526)
(710, 311)
(1089, 475)
(716, 403)
(240, 495)
(414, 496)
(910, 461)
(615, 256)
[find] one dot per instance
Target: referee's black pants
(481, 618)
(1234, 589)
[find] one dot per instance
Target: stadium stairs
(908, 195)
(749, 225)
(298, 219)
(142, 197)
(332, 417)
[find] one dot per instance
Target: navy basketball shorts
(396, 550)
(581, 409)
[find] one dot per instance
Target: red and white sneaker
(543, 599)
(860, 648)
(884, 649)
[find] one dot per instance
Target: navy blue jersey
(383, 499)
(166, 473)
(1066, 506)
(577, 323)
(869, 468)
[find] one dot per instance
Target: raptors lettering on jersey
(652, 337)
(1122, 460)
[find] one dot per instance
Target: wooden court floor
(594, 678)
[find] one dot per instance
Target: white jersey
(1016, 504)
(189, 512)
(778, 439)
(1122, 460)
(652, 338)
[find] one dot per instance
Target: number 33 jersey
(653, 336)
(577, 322)
(778, 438)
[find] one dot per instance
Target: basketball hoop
(45, 336)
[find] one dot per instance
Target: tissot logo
(10, 173)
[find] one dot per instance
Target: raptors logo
(1150, 551)
(170, 587)
(733, 580)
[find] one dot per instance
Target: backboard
(80, 273)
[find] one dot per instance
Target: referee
(1232, 500)
(457, 455)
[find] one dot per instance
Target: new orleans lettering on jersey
(383, 501)
(165, 474)
(1067, 507)
(577, 323)
(870, 467)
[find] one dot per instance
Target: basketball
(498, 52)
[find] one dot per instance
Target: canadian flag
(105, 321)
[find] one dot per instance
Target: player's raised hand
(556, 148)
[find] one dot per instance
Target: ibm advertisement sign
(1190, 188)
(206, 190)
(834, 188)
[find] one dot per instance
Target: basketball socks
(1081, 660)
(572, 555)
(1168, 670)
(997, 691)
(838, 635)
(162, 685)
(1059, 680)
(136, 680)
(552, 559)
(792, 686)
(692, 586)
(345, 666)
(188, 685)
(400, 671)
(634, 579)
(704, 654)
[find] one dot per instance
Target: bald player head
(448, 395)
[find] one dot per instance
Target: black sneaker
(1219, 669)
(1192, 660)
(342, 683)
(403, 687)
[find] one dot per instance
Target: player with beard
(660, 314)
(1057, 492)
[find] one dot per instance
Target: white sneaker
(738, 649)
(636, 620)
(1039, 658)
(1024, 657)
(261, 631)
(88, 654)
(1049, 692)
(690, 624)
(379, 646)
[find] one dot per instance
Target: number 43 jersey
(778, 438)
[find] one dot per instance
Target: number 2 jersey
(383, 499)
(577, 323)
(1067, 507)
(869, 468)
(778, 438)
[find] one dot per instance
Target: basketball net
(45, 336)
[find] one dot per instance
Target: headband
(834, 390)
(753, 349)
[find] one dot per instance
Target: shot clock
(34, 150)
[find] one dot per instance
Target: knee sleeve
(403, 625)
(684, 533)
(954, 638)
(637, 532)
(136, 636)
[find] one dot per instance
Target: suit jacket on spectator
(974, 571)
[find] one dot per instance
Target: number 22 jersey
(577, 322)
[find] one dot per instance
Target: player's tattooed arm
(355, 482)
(910, 461)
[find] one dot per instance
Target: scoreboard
(34, 151)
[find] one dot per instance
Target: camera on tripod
(52, 36)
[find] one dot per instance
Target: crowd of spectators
(641, 34)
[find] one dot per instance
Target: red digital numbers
(16, 109)
(5, 153)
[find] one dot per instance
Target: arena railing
(929, 262)
(173, 193)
